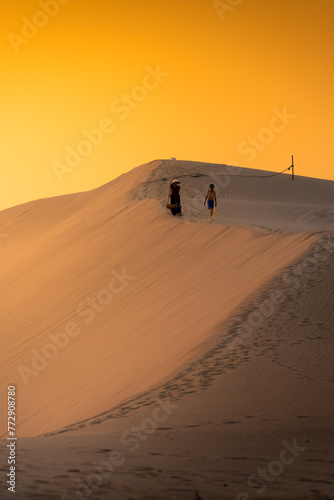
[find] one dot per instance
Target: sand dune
(250, 198)
(106, 298)
(177, 282)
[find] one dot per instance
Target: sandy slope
(179, 281)
(163, 294)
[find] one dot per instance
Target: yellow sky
(247, 82)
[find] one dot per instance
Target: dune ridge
(181, 279)
(234, 341)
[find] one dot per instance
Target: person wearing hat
(175, 196)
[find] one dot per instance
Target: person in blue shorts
(212, 199)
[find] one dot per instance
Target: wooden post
(293, 170)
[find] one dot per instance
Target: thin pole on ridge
(293, 169)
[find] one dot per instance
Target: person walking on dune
(175, 197)
(212, 200)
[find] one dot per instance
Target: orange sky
(228, 74)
